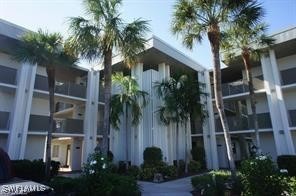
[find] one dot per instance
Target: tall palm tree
(100, 35)
(47, 50)
(246, 39)
(129, 99)
(179, 95)
(193, 19)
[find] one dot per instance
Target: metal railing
(39, 123)
(4, 120)
(292, 118)
(8, 75)
(288, 76)
(65, 88)
(245, 122)
(239, 87)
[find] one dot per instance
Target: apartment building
(24, 108)
(79, 103)
(274, 76)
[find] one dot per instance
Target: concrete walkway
(180, 187)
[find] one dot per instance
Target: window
(55, 151)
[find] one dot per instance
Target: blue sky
(52, 15)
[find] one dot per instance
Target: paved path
(180, 187)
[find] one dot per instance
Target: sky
(52, 15)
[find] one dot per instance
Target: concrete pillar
(19, 119)
(76, 152)
(209, 136)
(91, 113)
(277, 108)
(162, 133)
(137, 146)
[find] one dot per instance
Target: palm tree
(195, 19)
(105, 32)
(179, 95)
(246, 39)
(129, 99)
(47, 50)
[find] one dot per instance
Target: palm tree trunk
(214, 38)
(247, 64)
(177, 144)
(126, 137)
(51, 89)
(107, 93)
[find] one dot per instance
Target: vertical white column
(91, 113)
(76, 152)
(162, 130)
(137, 146)
(209, 136)
(19, 119)
(277, 108)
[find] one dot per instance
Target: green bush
(287, 162)
(260, 177)
(98, 179)
(33, 170)
(194, 166)
(134, 171)
(292, 186)
(147, 173)
(152, 155)
(198, 154)
(213, 183)
(65, 186)
(169, 171)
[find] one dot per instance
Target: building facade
(275, 91)
(24, 107)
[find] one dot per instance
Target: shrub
(152, 155)
(260, 177)
(213, 183)
(198, 154)
(33, 170)
(97, 179)
(194, 166)
(292, 186)
(169, 171)
(65, 186)
(287, 162)
(134, 171)
(147, 173)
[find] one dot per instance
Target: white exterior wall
(35, 147)
(286, 62)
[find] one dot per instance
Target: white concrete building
(274, 78)
(79, 106)
(24, 106)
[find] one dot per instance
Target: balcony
(4, 120)
(39, 123)
(8, 75)
(292, 119)
(65, 88)
(245, 122)
(288, 76)
(240, 86)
